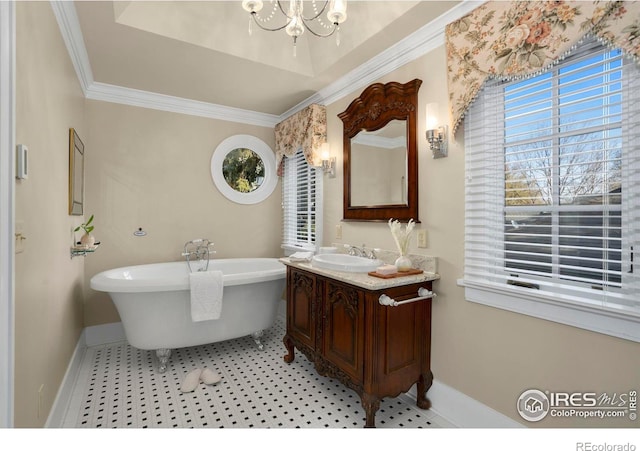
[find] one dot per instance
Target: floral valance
(307, 129)
(515, 39)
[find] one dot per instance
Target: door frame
(7, 209)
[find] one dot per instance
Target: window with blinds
(301, 192)
(553, 183)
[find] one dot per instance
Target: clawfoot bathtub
(153, 302)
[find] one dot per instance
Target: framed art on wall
(76, 174)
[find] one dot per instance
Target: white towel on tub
(206, 295)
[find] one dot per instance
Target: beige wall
(48, 284)
(151, 169)
(489, 354)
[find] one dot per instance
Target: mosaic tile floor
(118, 387)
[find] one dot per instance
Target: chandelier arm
(335, 27)
(253, 14)
(283, 11)
(317, 15)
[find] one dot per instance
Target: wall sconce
(436, 134)
(328, 162)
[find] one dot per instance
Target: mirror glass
(76, 174)
(379, 166)
(243, 169)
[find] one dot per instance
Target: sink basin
(344, 262)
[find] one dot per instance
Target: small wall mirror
(76, 174)
(380, 153)
(243, 169)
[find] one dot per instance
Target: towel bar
(423, 294)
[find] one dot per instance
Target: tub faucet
(198, 250)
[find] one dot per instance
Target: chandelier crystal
(296, 23)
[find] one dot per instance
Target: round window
(243, 169)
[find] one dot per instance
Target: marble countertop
(363, 280)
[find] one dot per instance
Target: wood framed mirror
(380, 150)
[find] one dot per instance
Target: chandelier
(296, 22)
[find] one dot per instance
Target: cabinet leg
(288, 358)
(424, 383)
(371, 405)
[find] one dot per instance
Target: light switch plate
(422, 238)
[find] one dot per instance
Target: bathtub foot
(256, 337)
(163, 358)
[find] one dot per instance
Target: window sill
(521, 300)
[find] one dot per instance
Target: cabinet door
(403, 337)
(301, 305)
(343, 334)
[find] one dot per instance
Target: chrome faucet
(354, 250)
(361, 251)
(198, 250)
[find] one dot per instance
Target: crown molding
(421, 42)
(145, 99)
(65, 13)
(71, 31)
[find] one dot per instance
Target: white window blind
(553, 184)
(301, 204)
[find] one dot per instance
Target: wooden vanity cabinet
(376, 350)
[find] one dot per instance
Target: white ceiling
(201, 51)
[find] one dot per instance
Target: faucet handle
(352, 250)
(371, 253)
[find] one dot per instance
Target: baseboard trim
(91, 336)
(104, 334)
(461, 410)
(65, 392)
